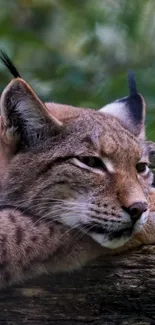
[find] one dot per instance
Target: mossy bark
(115, 291)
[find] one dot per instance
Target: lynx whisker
(56, 217)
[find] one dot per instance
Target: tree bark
(119, 290)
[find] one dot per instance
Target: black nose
(136, 210)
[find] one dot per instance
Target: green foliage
(79, 52)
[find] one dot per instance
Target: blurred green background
(79, 51)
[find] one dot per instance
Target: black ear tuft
(132, 83)
(8, 63)
(129, 110)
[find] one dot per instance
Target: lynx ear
(129, 110)
(24, 117)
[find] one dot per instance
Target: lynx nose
(136, 210)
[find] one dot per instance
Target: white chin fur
(114, 243)
(141, 222)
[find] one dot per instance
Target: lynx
(74, 182)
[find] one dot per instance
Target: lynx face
(85, 169)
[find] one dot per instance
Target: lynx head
(83, 168)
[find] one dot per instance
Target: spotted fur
(56, 211)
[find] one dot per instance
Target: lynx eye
(142, 168)
(93, 162)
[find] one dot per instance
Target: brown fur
(43, 189)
